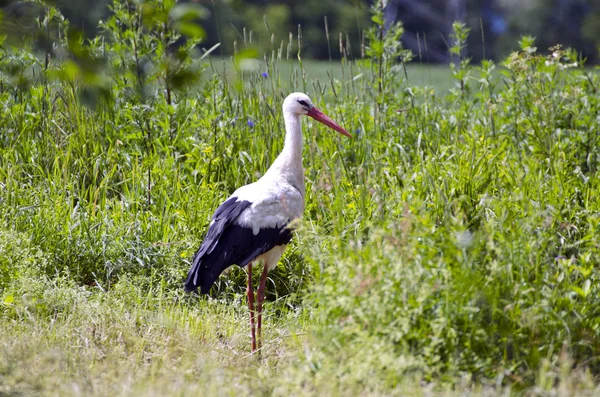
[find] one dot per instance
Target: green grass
(435, 76)
(450, 248)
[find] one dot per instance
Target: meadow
(450, 248)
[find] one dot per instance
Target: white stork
(253, 224)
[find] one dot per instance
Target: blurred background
(496, 25)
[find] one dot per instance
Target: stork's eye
(303, 103)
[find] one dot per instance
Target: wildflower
(250, 123)
(264, 74)
(357, 131)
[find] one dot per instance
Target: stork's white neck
(292, 149)
(288, 164)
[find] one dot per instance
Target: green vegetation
(450, 247)
(496, 24)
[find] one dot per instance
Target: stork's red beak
(323, 118)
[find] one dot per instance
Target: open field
(432, 75)
(450, 248)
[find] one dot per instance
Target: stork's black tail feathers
(198, 278)
(210, 260)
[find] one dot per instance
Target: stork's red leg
(260, 298)
(250, 294)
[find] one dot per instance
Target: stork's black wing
(228, 243)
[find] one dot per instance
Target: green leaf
(377, 19)
(153, 15)
(377, 48)
(190, 29)
(586, 286)
(583, 292)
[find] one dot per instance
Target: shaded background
(496, 25)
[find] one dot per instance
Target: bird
(255, 223)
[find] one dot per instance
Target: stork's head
(298, 103)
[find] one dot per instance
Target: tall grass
(452, 243)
